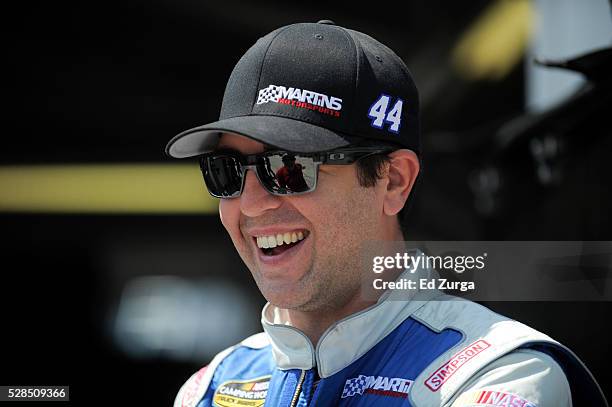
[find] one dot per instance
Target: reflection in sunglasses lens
(223, 176)
(287, 174)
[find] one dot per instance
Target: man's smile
(278, 246)
(277, 243)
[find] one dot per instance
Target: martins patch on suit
(379, 385)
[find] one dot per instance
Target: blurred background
(117, 276)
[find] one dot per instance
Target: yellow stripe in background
(496, 41)
(105, 188)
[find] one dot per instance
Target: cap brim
(279, 132)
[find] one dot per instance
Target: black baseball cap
(313, 87)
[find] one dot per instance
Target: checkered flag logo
(269, 94)
(354, 386)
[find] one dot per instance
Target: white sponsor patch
(440, 376)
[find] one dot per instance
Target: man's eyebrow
(267, 148)
(226, 150)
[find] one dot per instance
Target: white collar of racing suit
(346, 340)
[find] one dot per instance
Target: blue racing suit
(435, 350)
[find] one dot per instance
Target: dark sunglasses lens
(223, 176)
(286, 174)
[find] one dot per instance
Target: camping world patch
(243, 393)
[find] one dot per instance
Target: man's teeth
(269, 242)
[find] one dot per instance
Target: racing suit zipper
(298, 389)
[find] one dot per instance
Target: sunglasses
(281, 173)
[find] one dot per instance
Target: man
(345, 106)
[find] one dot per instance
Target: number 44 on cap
(380, 114)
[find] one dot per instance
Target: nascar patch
(243, 393)
(491, 398)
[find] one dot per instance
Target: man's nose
(254, 199)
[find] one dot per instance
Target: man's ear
(403, 170)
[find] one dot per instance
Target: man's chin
(295, 301)
(285, 300)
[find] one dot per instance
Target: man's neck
(315, 323)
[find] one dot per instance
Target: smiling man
(316, 152)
